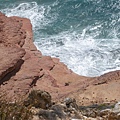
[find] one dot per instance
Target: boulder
(117, 108)
(38, 99)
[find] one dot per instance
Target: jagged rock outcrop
(23, 68)
(36, 71)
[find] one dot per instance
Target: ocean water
(84, 34)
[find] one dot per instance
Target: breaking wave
(84, 35)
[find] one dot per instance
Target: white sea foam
(37, 14)
(88, 56)
(80, 51)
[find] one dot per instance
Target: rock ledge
(23, 68)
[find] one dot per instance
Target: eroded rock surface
(23, 68)
(10, 60)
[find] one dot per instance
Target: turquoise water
(84, 34)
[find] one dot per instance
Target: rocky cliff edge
(23, 68)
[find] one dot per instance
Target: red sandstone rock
(10, 57)
(45, 73)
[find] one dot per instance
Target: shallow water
(84, 34)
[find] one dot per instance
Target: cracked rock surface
(23, 68)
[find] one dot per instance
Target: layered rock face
(23, 68)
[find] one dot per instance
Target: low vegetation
(14, 111)
(22, 110)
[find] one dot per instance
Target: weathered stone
(117, 108)
(105, 112)
(10, 60)
(36, 71)
(38, 99)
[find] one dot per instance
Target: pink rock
(23, 68)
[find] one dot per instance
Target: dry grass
(21, 110)
(14, 111)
